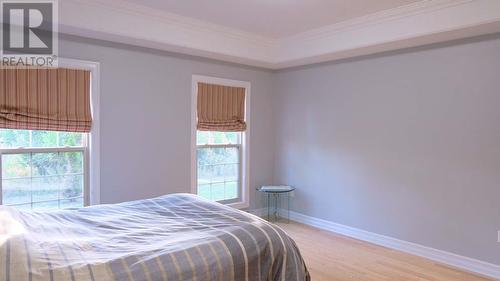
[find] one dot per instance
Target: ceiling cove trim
(174, 19)
(417, 8)
(423, 22)
(124, 22)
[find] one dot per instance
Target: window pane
(57, 187)
(70, 139)
(218, 155)
(71, 186)
(57, 163)
(218, 192)
(43, 139)
(43, 180)
(231, 172)
(16, 166)
(16, 191)
(33, 138)
(14, 138)
(204, 191)
(205, 174)
(218, 172)
(45, 188)
(231, 190)
(210, 137)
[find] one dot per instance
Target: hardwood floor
(332, 257)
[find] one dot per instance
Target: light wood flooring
(332, 257)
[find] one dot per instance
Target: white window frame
(244, 201)
(91, 146)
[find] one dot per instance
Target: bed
(173, 237)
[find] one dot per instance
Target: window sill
(238, 205)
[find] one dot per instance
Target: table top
(276, 188)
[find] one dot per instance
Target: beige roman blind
(45, 99)
(221, 108)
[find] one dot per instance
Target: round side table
(273, 199)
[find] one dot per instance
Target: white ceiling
(273, 18)
(278, 34)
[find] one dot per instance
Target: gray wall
(145, 118)
(405, 144)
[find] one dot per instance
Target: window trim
(244, 201)
(94, 156)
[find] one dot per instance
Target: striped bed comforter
(173, 237)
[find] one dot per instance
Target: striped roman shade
(221, 108)
(45, 99)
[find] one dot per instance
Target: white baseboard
(465, 263)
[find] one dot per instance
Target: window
(220, 135)
(219, 165)
(49, 138)
(43, 169)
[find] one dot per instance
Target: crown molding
(414, 9)
(132, 9)
(124, 22)
(423, 22)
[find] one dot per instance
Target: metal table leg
(276, 196)
(288, 206)
(268, 206)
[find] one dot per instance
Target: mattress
(173, 237)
